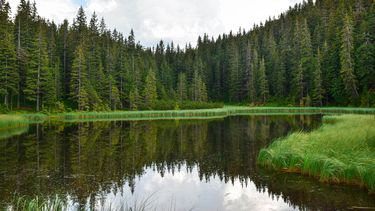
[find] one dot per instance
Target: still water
(166, 165)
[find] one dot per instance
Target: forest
(317, 53)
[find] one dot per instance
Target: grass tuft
(340, 151)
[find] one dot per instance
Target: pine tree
(78, 79)
(263, 83)
(38, 76)
(149, 91)
(195, 87)
(134, 99)
(318, 91)
(48, 88)
(8, 72)
(307, 59)
(198, 88)
(115, 94)
(182, 87)
(203, 92)
(254, 90)
(298, 83)
(234, 72)
(346, 59)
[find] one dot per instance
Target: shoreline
(29, 118)
(339, 152)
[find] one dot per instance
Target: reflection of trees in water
(87, 160)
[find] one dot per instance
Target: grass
(342, 150)
(37, 204)
(57, 203)
(15, 119)
(12, 121)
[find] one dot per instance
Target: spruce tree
(318, 91)
(234, 72)
(182, 87)
(78, 79)
(39, 73)
(263, 83)
(8, 72)
(346, 59)
(149, 91)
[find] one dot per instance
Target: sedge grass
(342, 150)
(176, 114)
(37, 204)
(194, 113)
(12, 121)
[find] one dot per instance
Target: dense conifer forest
(318, 53)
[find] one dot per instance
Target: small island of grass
(340, 151)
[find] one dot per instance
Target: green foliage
(8, 73)
(38, 203)
(198, 88)
(39, 81)
(317, 92)
(94, 68)
(182, 87)
(346, 59)
(78, 80)
(263, 82)
(149, 93)
(345, 157)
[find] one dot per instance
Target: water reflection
(205, 165)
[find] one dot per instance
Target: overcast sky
(178, 20)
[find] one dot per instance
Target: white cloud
(178, 20)
(56, 10)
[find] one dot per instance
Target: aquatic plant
(37, 204)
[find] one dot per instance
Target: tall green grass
(58, 203)
(195, 113)
(177, 114)
(12, 121)
(342, 150)
(37, 204)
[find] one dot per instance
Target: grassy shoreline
(340, 151)
(179, 114)
(12, 121)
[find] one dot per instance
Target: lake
(166, 165)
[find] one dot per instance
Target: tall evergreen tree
(346, 59)
(182, 87)
(8, 72)
(234, 72)
(263, 82)
(38, 77)
(78, 80)
(149, 92)
(318, 91)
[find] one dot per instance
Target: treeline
(318, 53)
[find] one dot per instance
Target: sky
(180, 21)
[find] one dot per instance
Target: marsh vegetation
(340, 151)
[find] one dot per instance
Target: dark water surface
(170, 164)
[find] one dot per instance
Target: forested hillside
(316, 53)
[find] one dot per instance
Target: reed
(340, 151)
